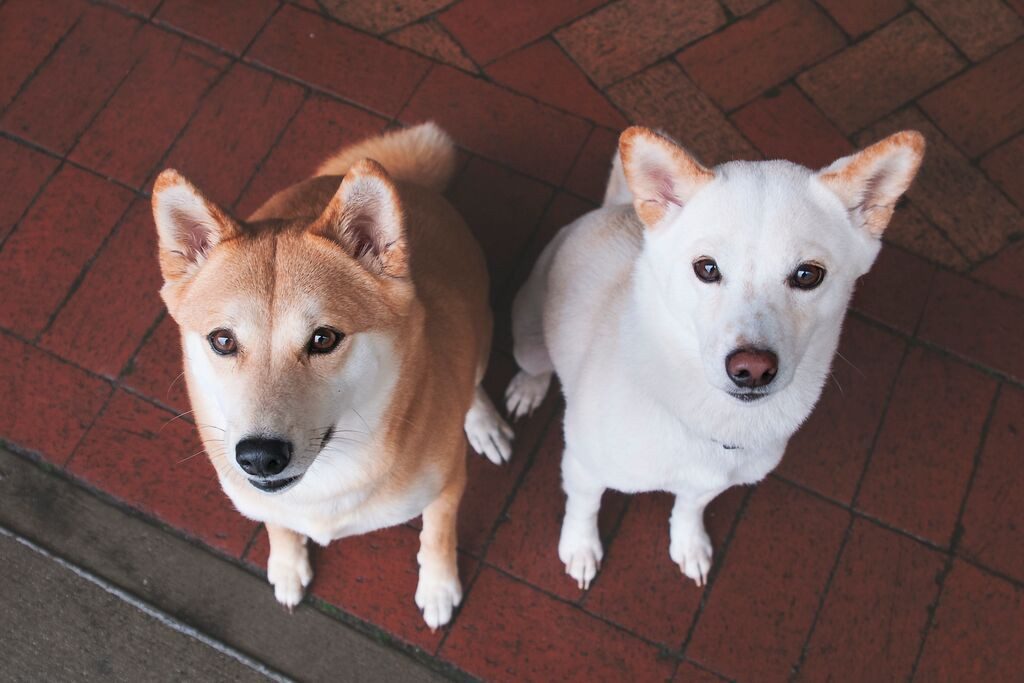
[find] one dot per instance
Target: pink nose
(749, 368)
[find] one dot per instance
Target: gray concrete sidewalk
(61, 625)
(93, 592)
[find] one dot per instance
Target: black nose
(263, 457)
(749, 367)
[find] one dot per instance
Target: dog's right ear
(188, 226)
(660, 173)
(365, 219)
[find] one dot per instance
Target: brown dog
(334, 346)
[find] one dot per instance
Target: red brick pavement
(886, 546)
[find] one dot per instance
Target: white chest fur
(633, 443)
(347, 513)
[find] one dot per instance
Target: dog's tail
(617, 192)
(423, 154)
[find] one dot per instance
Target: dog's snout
(750, 367)
(262, 457)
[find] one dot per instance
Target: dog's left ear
(660, 173)
(871, 181)
(365, 218)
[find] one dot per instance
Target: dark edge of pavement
(191, 590)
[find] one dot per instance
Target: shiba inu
(692, 321)
(334, 345)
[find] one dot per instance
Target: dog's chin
(275, 485)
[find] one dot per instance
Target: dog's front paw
(692, 552)
(488, 433)
(437, 597)
(525, 392)
(581, 552)
(289, 574)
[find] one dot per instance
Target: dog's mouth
(275, 485)
(749, 396)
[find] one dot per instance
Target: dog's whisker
(205, 426)
(333, 445)
(320, 430)
(337, 437)
(348, 441)
(365, 423)
(838, 385)
(179, 415)
(174, 381)
(847, 360)
(199, 452)
(321, 439)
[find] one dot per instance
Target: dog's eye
(324, 340)
(807, 276)
(223, 342)
(707, 270)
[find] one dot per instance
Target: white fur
(639, 342)
(331, 499)
(288, 569)
(438, 593)
(617, 192)
(487, 432)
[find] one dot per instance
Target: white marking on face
(362, 394)
(758, 223)
(283, 393)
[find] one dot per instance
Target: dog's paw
(581, 552)
(289, 575)
(525, 392)
(488, 433)
(692, 552)
(437, 597)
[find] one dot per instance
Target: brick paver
(886, 546)
(761, 50)
(136, 452)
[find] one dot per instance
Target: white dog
(692, 321)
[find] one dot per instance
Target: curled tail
(422, 154)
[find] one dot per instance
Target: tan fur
(444, 328)
(423, 155)
(427, 293)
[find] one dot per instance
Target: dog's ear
(659, 173)
(188, 226)
(871, 181)
(365, 218)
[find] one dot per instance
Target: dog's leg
(527, 389)
(525, 392)
(487, 432)
(439, 592)
(288, 568)
(690, 546)
(579, 545)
